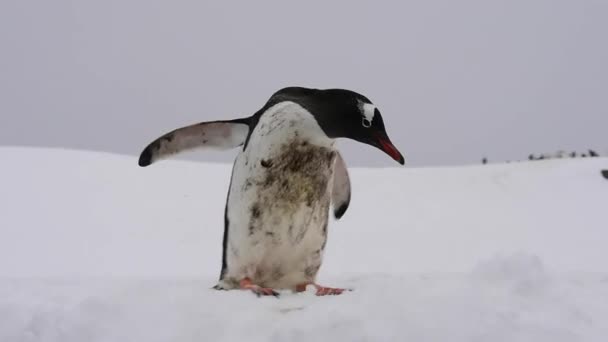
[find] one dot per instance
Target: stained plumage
(285, 178)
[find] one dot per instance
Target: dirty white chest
(279, 200)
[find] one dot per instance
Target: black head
(342, 113)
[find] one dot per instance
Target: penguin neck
(287, 122)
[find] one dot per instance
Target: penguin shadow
(291, 309)
(286, 301)
(284, 294)
(295, 303)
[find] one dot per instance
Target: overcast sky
(455, 80)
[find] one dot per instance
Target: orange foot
(246, 284)
(321, 290)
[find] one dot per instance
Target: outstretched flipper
(340, 194)
(221, 135)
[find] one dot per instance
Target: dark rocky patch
(605, 173)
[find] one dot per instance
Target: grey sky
(455, 80)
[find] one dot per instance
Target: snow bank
(94, 248)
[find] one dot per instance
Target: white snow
(95, 248)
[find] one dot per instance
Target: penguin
(286, 177)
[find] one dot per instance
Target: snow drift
(94, 248)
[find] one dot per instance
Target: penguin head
(343, 113)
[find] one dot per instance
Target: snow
(94, 248)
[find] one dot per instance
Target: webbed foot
(322, 290)
(247, 284)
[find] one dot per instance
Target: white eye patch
(368, 110)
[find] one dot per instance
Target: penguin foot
(322, 290)
(224, 286)
(247, 284)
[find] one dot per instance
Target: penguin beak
(382, 142)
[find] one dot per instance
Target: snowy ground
(94, 248)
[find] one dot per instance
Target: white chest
(280, 194)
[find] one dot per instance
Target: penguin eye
(366, 123)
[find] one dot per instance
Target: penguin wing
(221, 135)
(340, 195)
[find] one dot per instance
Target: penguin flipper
(340, 195)
(221, 135)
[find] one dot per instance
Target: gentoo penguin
(284, 178)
